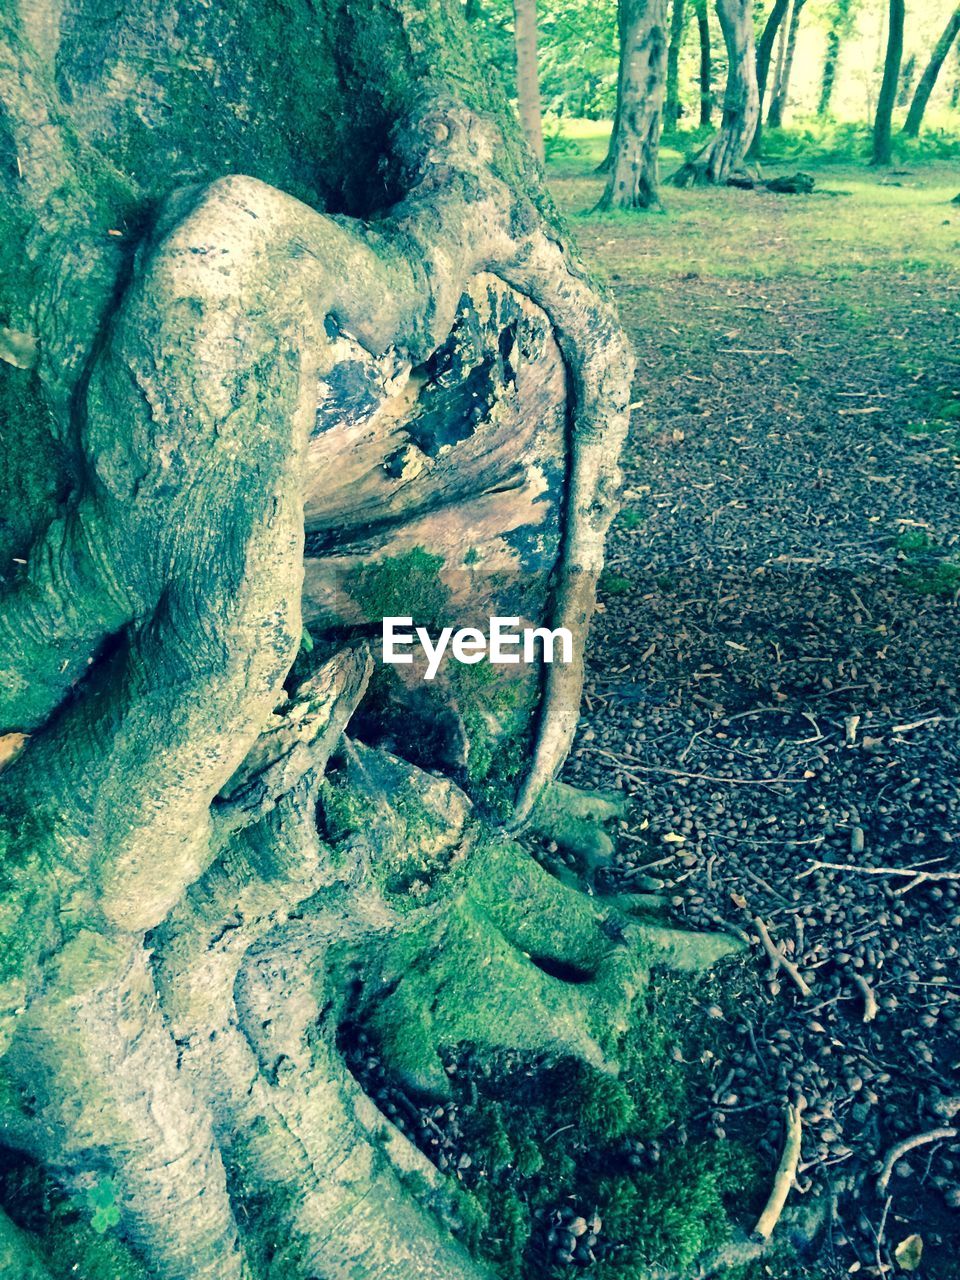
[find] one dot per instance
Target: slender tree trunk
(607, 161)
(778, 101)
(829, 75)
(929, 78)
(528, 75)
(955, 91)
(883, 121)
(673, 108)
(724, 156)
(633, 180)
(764, 55)
(706, 64)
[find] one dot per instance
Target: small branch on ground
(777, 958)
(909, 1144)
(784, 1178)
(869, 999)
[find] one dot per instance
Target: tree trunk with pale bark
(633, 177)
(724, 156)
(765, 46)
(528, 75)
(930, 75)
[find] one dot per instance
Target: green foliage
(630, 519)
(102, 1200)
(72, 1234)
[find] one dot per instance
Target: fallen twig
(777, 958)
(909, 1144)
(869, 999)
(630, 771)
(915, 874)
(783, 1180)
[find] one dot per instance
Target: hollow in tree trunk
(673, 108)
(930, 75)
(883, 121)
(705, 76)
(633, 180)
(724, 155)
(528, 74)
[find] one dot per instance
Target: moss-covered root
(18, 1259)
(575, 820)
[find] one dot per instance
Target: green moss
(31, 465)
(613, 584)
(407, 585)
(929, 571)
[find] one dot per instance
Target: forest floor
(775, 676)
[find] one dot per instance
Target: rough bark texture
(706, 64)
(528, 76)
(928, 80)
(724, 156)
(285, 324)
(883, 121)
(633, 179)
(673, 107)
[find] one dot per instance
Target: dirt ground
(775, 678)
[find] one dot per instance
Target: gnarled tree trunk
(288, 334)
(930, 75)
(633, 178)
(724, 156)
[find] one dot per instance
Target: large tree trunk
(528, 75)
(929, 78)
(725, 155)
(289, 334)
(778, 100)
(883, 120)
(673, 107)
(706, 64)
(765, 47)
(633, 179)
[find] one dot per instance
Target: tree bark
(930, 75)
(725, 155)
(278, 330)
(633, 180)
(883, 121)
(528, 75)
(764, 56)
(706, 65)
(673, 107)
(778, 101)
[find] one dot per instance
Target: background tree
(633, 181)
(724, 155)
(842, 13)
(778, 99)
(930, 75)
(765, 45)
(883, 121)
(673, 108)
(706, 65)
(528, 76)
